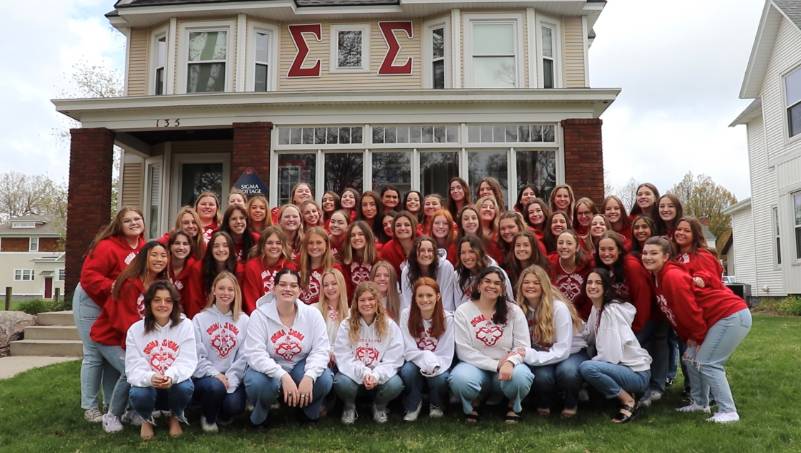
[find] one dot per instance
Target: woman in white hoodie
(160, 357)
(220, 331)
(620, 368)
(369, 352)
(423, 261)
(287, 350)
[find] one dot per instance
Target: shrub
(36, 306)
(790, 305)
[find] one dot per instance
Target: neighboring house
(767, 228)
(360, 93)
(31, 257)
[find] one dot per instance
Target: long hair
(451, 201)
(517, 218)
(114, 228)
(357, 197)
(451, 236)
(617, 266)
(320, 220)
(236, 307)
(467, 277)
(546, 213)
(138, 267)
(664, 245)
(381, 323)
(247, 236)
(412, 220)
(653, 211)
(294, 245)
(335, 197)
(326, 262)
(419, 214)
(295, 189)
(459, 217)
(635, 244)
(259, 252)
(501, 309)
(624, 224)
(174, 235)
(664, 227)
(150, 294)
(699, 241)
(543, 330)
(514, 267)
(383, 237)
(548, 237)
(552, 197)
(342, 303)
(216, 201)
(497, 191)
(494, 224)
(198, 244)
(208, 266)
(415, 271)
(375, 223)
(393, 296)
(606, 281)
(586, 202)
(519, 206)
(368, 253)
(580, 256)
(416, 317)
(268, 219)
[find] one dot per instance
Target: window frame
(796, 226)
(428, 52)
(33, 244)
(21, 274)
(333, 62)
(272, 63)
(555, 26)
(227, 26)
(156, 36)
(517, 20)
(777, 238)
(786, 112)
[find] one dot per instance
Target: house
(31, 257)
(767, 227)
(358, 93)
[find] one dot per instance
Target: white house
(767, 228)
(31, 257)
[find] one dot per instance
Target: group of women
(383, 296)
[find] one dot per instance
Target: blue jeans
(610, 379)
(654, 338)
(263, 391)
(215, 401)
(93, 369)
(563, 376)
(347, 390)
(413, 382)
(115, 356)
(706, 371)
(673, 354)
(468, 382)
(175, 399)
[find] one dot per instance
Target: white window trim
(250, 72)
(228, 26)
(787, 139)
(22, 275)
(469, 18)
(62, 274)
(176, 176)
(428, 51)
(796, 261)
(162, 32)
(555, 25)
(31, 241)
(775, 224)
(333, 61)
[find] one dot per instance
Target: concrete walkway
(13, 365)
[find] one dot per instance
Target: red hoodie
(258, 280)
(571, 284)
(355, 273)
(197, 293)
(104, 263)
(393, 253)
(702, 263)
(208, 230)
(637, 288)
(692, 310)
(183, 283)
(119, 314)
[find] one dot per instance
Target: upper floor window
(777, 234)
(438, 57)
(263, 46)
(493, 53)
(797, 223)
(792, 94)
(208, 53)
(160, 63)
(349, 44)
(548, 56)
(33, 244)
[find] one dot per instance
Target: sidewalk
(12, 365)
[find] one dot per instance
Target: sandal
(625, 413)
(471, 418)
(512, 417)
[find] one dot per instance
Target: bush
(36, 306)
(790, 305)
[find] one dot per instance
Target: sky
(680, 65)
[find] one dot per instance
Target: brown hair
(416, 317)
(381, 324)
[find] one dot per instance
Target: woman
(712, 321)
(237, 198)
(160, 357)
(429, 345)
(620, 367)
(272, 255)
(423, 261)
(219, 257)
(568, 269)
(315, 259)
(310, 213)
(390, 198)
(582, 218)
(359, 255)
(458, 195)
(333, 305)
(188, 221)
(383, 274)
(235, 223)
(207, 206)
(107, 256)
(124, 308)
(615, 211)
(467, 221)
(526, 251)
(600, 225)
(557, 344)
(431, 204)
(258, 209)
(642, 228)
(290, 222)
(488, 211)
(670, 211)
(538, 216)
(490, 187)
(369, 353)
(413, 202)
(694, 255)
(330, 205)
(488, 328)
(645, 204)
(338, 230)
(525, 195)
(287, 350)
(385, 235)
(220, 331)
(562, 198)
(559, 222)
(182, 264)
(349, 202)
(370, 212)
(471, 263)
(300, 193)
(444, 233)
(510, 224)
(403, 232)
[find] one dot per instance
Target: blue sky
(679, 63)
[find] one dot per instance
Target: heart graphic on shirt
(179, 285)
(312, 293)
(267, 278)
(359, 273)
(489, 335)
(663, 305)
(570, 286)
(427, 343)
(140, 305)
(367, 355)
(622, 291)
(224, 342)
(288, 349)
(161, 361)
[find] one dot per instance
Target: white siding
(743, 248)
(786, 55)
(789, 182)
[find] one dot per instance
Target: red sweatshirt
(183, 283)
(258, 280)
(119, 314)
(571, 284)
(198, 293)
(702, 263)
(355, 273)
(637, 288)
(103, 264)
(208, 230)
(692, 310)
(393, 253)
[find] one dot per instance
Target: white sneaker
(93, 415)
(132, 418)
(349, 415)
(435, 412)
(692, 407)
(412, 416)
(208, 427)
(380, 414)
(650, 397)
(724, 417)
(111, 423)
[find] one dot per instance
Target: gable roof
(44, 226)
(299, 3)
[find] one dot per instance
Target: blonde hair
(327, 260)
(381, 324)
(236, 308)
(495, 221)
(342, 304)
(295, 244)
(543, 331)
(393, 297)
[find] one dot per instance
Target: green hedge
(36, 306)
(790, 305)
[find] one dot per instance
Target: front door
(194, 174)
(48, 292)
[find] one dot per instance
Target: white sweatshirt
(219, 343)
(274, 349)
(613, 338)
(563, 338)
(460, 297)
(482, 343)
(168, 350)
(432, 355)
(381, 358)
(444, 280)
(331, 322)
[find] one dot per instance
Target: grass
(39, 411)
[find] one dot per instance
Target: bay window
(206, 62)
(262, 61)
(160, 64)
(493, 54)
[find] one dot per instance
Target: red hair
(416, 318)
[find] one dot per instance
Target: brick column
(584, 157)
(89, 195)
(251, 148)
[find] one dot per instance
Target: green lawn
(39, 411)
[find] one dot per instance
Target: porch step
(51, 348)
(69, 333)
(55, 318)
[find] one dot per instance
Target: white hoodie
(482, 343)
(168, 350)
(219, 345)
(563, 338)
(444, 280)
(381, 358)
(274, 349)
(614, 341)
(460, 297)
(432, 355)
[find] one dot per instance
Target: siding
(743, 248)
(133, 180)
(573, 68)
(789, 182)
(11, 261)
(786, 55)
(138, 62)
(208, 146)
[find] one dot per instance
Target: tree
(704, 199)
(22, 194)
(627, 193)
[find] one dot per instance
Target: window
(429, 133)
(23, 225)
(33, 244)
(493, 54)
(778, 239)
(62, 274)
(292, 169)
(487, 163)
(160, 63)
(392, 168)
(797, 223)
(436, 169)
(24, 275)
(344, 170)
(511, 133)
(537, 168)
(263, 43)
(208, 52)
(319, 135)
(792, 94)
(438, 57)
(349, 48)
(548, 56)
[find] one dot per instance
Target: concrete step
(55, 318)
(51, 348)
(51, 333)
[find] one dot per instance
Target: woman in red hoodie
(711, 320)
(108, 255)
(220, 256)
(207, 206)
(568, 268)
(271, 255)
(124, 307)
(235, 223)
(182, 265)
(694, 254)
(404, 231)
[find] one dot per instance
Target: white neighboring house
(767, 227)
(31, 257)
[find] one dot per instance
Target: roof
(753, 110)
(744, 204)
(299, 3)
(791, 10)
(44, 227)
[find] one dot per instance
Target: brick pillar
(89, 195)
(251, 149)
(584, 157)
